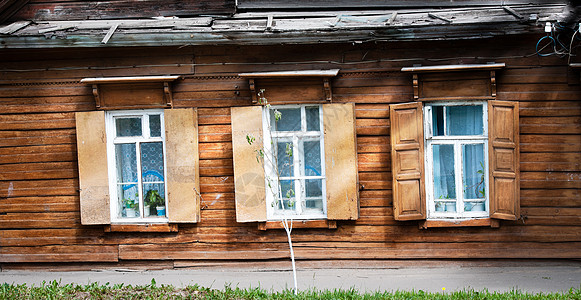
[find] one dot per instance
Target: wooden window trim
(141, 228)
(306, 73)
(487, 222)
(272, 135)
(296, 224)
(107, 90)
(100, 80)
(451, 68)
(340, 158)
(182, 172)
(430, 141)
(423, 90)
(326, 76)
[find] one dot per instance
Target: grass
(55, 290)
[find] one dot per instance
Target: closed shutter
(93, 173)
(249, 177)
(342, 182)
(503, 151)
(407, 161)
(182, 162)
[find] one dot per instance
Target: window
(463, 142)
(294, 168)
(318, 181)
(124, 156)
(136, 143)
(456, 142)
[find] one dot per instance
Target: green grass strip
(55, 290)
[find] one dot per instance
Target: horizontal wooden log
(40, 204)
(69, 253)
(56, 170)
(550, 180)
(549, 143)
(38, 154)
(40, 220)
(550, 108)
(560, 162)
(551, 197)
(550, 125)
(59, 187)
(37, 138)
(37, 121)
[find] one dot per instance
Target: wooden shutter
(182, 163)
(342, 182)
(503, 151)
(407, 161)
(93, 173)
(249, 182)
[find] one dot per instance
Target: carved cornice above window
(132, 92)
(454, 82)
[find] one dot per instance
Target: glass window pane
(444, 179)
(154, 199)
(464, 120)
(128, 197)
(312, 159)
(474, 172)
(126, 163)
(284, 157)
(314, 194)
(438, 120)
(155, 125)
(312, 118)
(152, 162)
(474, 206)
(314, 187)
(290, 119)
(287, 188)
(128, 126)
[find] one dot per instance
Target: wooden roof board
(349, 27)
(10, 7)
(258, 5)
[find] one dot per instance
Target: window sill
(141, 228)
(327, 224)
(460, 223)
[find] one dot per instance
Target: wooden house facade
(379, 80)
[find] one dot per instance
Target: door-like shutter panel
(341, 162)
(407, 161)
(93, 174)
(248, 171)
(183, 178)
(503, 151)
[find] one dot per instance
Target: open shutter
(93, 173)
(503, 150)
(342, 182)
(182, 162)
(407, 161)
(249, 182)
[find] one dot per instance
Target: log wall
(39, 198)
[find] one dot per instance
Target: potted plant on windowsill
(154, 199)
(130, 206)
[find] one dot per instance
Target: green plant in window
(129, 203)
(153, 198)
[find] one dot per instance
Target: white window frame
(271, 178)
(112, 139)
(457, 141)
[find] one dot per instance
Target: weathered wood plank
(69, 253)
(84, 10)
